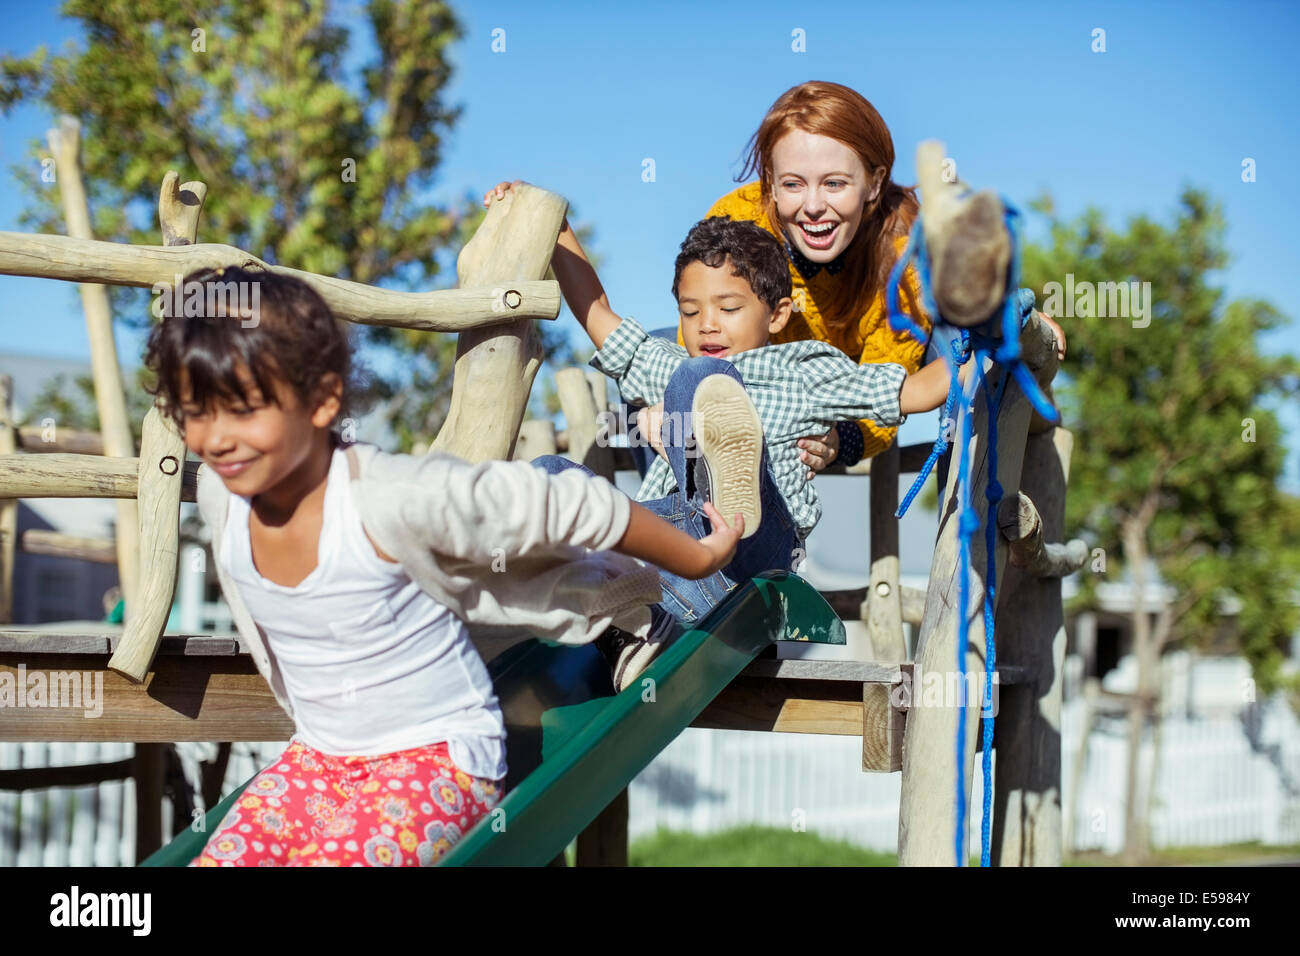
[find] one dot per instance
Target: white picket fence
(1213, 787)
(94, 825)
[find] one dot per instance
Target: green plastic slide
(574, 744)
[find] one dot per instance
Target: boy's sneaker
(729, 437)
(629, 655)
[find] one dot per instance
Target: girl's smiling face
(821, 189)
(255, 447)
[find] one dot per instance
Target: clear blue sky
(1182, 94)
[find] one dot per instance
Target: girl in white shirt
(399, 745)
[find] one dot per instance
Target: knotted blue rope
(984, 344)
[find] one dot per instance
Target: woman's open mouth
(819, 235)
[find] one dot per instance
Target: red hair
(842, 114)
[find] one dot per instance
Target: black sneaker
(628, 654)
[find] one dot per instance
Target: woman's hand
(499, 191)
(720, 545)
(818, 451)
(649, 424)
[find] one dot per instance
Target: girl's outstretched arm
(653, 539)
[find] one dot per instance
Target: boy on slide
(734, 407)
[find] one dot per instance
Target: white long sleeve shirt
(512, 552)
(371, 663)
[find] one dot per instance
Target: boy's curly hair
(756, 256)
(291, 337)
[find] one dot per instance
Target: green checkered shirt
(799, 389)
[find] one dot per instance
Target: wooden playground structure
(162, 688)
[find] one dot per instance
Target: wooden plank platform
(205, 687)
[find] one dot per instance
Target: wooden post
(8, 506)
(604, 841)
(162, 454)
(536, 438)
(495, 366)
(884, 604)
(110, 394)
(1027, 728)
(1091, 694)
(967, 241)
(927, 818)
(147, 768)
(580, 410)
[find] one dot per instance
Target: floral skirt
(309, 808)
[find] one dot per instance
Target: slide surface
(574, 743)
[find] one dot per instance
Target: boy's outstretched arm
(928, 388)
(581, 287)
(654, 540)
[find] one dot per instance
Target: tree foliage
(1176, 439)
(312, 159)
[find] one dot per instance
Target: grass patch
(1197, 855)
(751, 846)
(772, 846)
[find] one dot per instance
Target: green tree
(309, 162)
(73, 406)
(1177, 453)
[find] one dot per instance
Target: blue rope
(1005, 351)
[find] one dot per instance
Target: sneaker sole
(633, 665)
(730, 439)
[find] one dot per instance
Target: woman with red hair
(823, 157)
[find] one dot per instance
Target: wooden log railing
(115, 263)
(498, 356)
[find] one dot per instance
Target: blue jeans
(771, 547)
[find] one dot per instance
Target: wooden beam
(58, 545)
(78, 775)
(184, 698)
(115, 263)
(81, 476)
(33, 440)
(848, 604)
(884, 718)
(1021, 525)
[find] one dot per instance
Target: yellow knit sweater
(870, 339)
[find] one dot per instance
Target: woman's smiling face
(821, 188)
